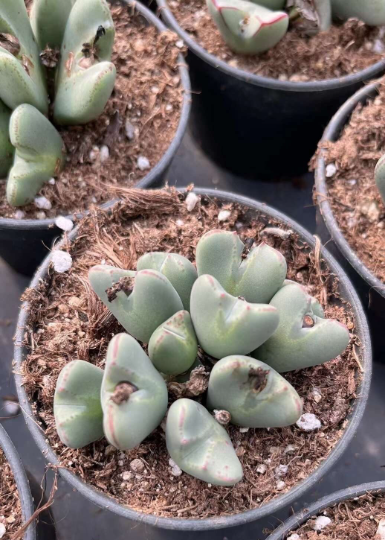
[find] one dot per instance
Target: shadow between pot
(25, 243)
(330, 500)
(259, 127)
(347, 292)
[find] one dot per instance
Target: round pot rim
(165, 160)
(21, 480)
(251, 515)
(331, 134)
(266, 82)
(291, 524)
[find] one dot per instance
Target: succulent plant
(371, 12)
(85, 79)
(6, 148)
(77, 408)
(303, 337)
(253, 393)
(140, 304)
(173, 346)
(246, 27)
(38, 154)
(133, 394)
(256, 278)
(178, 270)
(379, 175)
(199, 445)
(225, 324)
(288, 332)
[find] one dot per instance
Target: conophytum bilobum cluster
(241, 312)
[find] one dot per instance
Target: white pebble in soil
(3, 530)
(281, 470)
(321, 522)
(331, 170)
(19, 214)
(294, 536)
(191, 201)
(61, 260)
(143, 163)
(137, 466)
(290, 449)
(40, 215)
(64, 223)
(175, 470)
(280, 485)
(104, 153)
(179, 44)
(261, 469)
(224, 215)
(52, 181)
(308, 422)
(130, 130)
(43, 203)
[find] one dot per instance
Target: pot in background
(256, 126)
(120, 518)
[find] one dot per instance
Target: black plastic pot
(24, 243)
(238, 520)
(371, 289)
(330, 500)
(21, 480)
(257, 126)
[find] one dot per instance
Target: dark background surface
(74, 517)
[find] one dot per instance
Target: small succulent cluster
(247, 320)
(254, 26)
(81, 34)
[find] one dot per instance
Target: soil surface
(352, 192)
(138, 124)
(344, 49)
(10, 508)
(356, 519)
(68, 322)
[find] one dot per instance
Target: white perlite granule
(321, 522)
(309, 422)
(61, 260)
(64, 223)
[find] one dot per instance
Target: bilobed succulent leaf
(21, 76)
(227, 325)
(6, 148)
(253, 393)
(303, 338)
(256, 278)
(77, 408)
(371, 12)
(379, 175)
(48, 20)
(248, 28)
(130, 416)
(141, 310)
(85, 80)
(38, 154)
(200, 446)
(178, 270)
(173, 346)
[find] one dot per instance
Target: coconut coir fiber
(68, 322)
(139, 121)
(344, 49)
(10, 507)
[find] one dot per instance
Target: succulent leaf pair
(83, 85)
(254, 26)
(126, 402)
